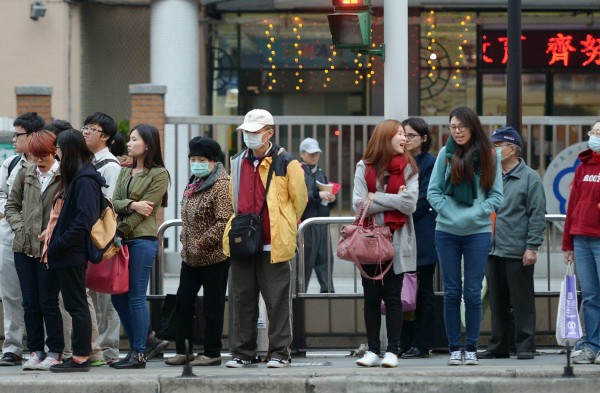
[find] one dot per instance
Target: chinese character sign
(544, 49)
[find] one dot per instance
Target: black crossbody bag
(246, 234)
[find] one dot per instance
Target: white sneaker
(456, 358)
(278, 363)
(370, 359)
(471, 358)
(47, 363)
(32, 363)
(390, 360)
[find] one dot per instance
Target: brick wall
(35, 99)
(148, 106)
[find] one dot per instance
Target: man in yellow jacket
(268, 271)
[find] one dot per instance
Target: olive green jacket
(148, 185)
(28, 209)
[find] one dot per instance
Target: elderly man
(520, 224)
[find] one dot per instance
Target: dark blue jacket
(80, 212)
(314, 207)
(424, 216)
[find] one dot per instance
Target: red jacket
(583, 211)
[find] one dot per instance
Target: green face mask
(199, 169)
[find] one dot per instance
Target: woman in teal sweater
(465, 188)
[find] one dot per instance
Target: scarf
(464, 192)
(392, 218)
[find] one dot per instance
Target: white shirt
(110, 171)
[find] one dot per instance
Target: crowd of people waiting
(476, 210)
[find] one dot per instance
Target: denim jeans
(587, 263)
(132, 306)
(474, 249)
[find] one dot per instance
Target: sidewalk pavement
(329, 372)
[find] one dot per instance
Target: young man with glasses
(12, 298)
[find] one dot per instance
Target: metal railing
(157, 275)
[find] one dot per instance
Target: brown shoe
(179, 360)
(202, 360)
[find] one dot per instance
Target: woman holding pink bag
(387, 178)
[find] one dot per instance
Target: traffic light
(350, 24)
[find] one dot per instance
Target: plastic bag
(568, 325)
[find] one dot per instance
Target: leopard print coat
(204, 215)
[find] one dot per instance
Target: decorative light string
(298, 56)
(431, 21)
(462, 43)
(330, 66)
(271, 54)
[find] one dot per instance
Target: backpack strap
(13, 163)
(104, 162)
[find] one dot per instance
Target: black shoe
(154, 347)
(124, 360)
(136, 360)
(10, 359)
(416, 353)
(525, 355)
(71, 366)
(492, 355)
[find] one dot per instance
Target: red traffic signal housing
(349, 4)
(350, 24)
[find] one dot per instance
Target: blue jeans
(474, 249)
(587, 263)
(132, 306)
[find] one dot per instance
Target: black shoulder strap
(13, 164)
(269, 177)
(100, 164)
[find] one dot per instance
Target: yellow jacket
(286, 200)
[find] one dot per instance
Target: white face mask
(594, 143)
(253, 140)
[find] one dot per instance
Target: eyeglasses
(461, 127)
(89, 129)
(40, 158)
(410, 137)
(594, 132)
(16, 135)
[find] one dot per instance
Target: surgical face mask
(594, 143)
(253, 140)
(200, 169)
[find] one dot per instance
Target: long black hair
(463, 167)
(74, 155)
(153, 158)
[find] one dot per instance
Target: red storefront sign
(544, 49)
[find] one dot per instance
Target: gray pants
(317, 254)
(12, 303)
(109, 324)
(252, 276)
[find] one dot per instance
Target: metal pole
(513, 68)
(395, 37)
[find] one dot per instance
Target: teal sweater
(458, 218)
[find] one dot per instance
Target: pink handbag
(365, 243)
(408, 295)
(110, 276)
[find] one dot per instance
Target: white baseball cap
(310, 146)
(256, 119)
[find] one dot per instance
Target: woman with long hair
(387, 177)
(140, 191)
(78, 201)
(418, 334)
(465, 189)
(28, 211)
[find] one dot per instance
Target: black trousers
(39, 287)
(389, 292)
(72, 287)
(510, 285)
(420, 333)
(213, 279)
